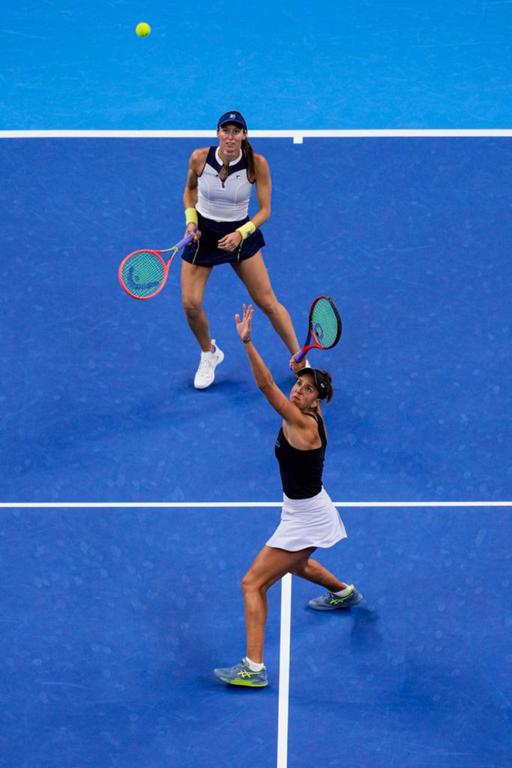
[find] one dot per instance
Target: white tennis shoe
(205, 374)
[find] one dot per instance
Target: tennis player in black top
(309, 519)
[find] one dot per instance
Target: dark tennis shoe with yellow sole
(331, 602)
(242, 674)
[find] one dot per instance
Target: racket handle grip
(299, 357)
(186, 240)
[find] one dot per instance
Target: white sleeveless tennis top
(224, 200)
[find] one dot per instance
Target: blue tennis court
(132, 504)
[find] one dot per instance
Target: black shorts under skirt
(206, 253)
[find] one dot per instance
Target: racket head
(325, 324)
(143, 273)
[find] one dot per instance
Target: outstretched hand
(243, 326)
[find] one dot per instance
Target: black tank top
(301, 471)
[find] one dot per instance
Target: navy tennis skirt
(206, 253)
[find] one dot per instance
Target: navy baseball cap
(232, 117)
(322, 383)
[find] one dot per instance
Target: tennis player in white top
(216, 199)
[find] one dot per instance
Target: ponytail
(248, 153)
(328, 381)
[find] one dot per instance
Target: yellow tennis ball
(143, 29)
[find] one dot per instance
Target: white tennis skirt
(313, 522)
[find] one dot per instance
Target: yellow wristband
(246, 229)
(191, 216)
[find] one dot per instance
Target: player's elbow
(265, 384)
(268, 388)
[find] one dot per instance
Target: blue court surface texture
(114, 609)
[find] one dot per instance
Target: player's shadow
(365, 635)
(365, 632)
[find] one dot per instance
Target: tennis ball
(143, 29)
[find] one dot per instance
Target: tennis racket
(324, 329)
(142, 274)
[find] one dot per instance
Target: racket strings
(143, 273)
(325, 323)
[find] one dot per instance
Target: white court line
(232, 504)
(297, 134)
(284, 671)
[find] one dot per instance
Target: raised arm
(263, 377)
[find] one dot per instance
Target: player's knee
(250, 583)
(267, 303)
(247, 582)
(192, 307)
